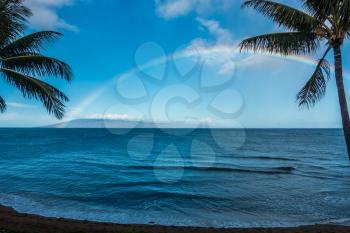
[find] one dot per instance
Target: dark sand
(12, 221)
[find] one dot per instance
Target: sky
(170, 60)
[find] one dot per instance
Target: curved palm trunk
(341, 94)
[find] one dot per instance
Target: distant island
(124, 124)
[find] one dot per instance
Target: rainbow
(204, 51)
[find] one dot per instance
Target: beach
(12, 221)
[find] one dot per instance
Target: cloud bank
(169, 9)
(45, 16)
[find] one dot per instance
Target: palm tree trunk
(341, 94)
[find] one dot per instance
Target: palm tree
(22, 64)
(320, 23)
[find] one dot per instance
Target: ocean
(202, 177)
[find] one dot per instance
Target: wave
(338, 221)
(176, 216)
(266, 158)
(138, 199)
(269, 170)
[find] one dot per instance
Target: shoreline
(13, 221)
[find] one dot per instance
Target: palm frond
(13, 15)
(52, 98)
(315, 87)
(2, 105)
(31, 43)
(345, 15)
(38, 65)
(284, 15)
(285, 43)
(320, 9)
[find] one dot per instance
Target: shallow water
(216, 178)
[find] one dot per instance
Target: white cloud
(227, 68)
(45, 15)
(223, 41)
(262, 61)
(9, 116)
(19, 105)
(200, 120)
(222, 35)
(115, 116)
(172, 9)
(169, 9)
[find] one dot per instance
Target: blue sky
(169, 60)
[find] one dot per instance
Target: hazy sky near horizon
(170, 60)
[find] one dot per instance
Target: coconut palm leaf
(38, 65)
(345, 14)
(344, 7)
(21, 62)
(13, 16)
(2, 105)
(52, 98)
(284, 43)
(284, 15)
(31, 43)
(315, 87)
(321, 9)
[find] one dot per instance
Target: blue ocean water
(216, 178)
